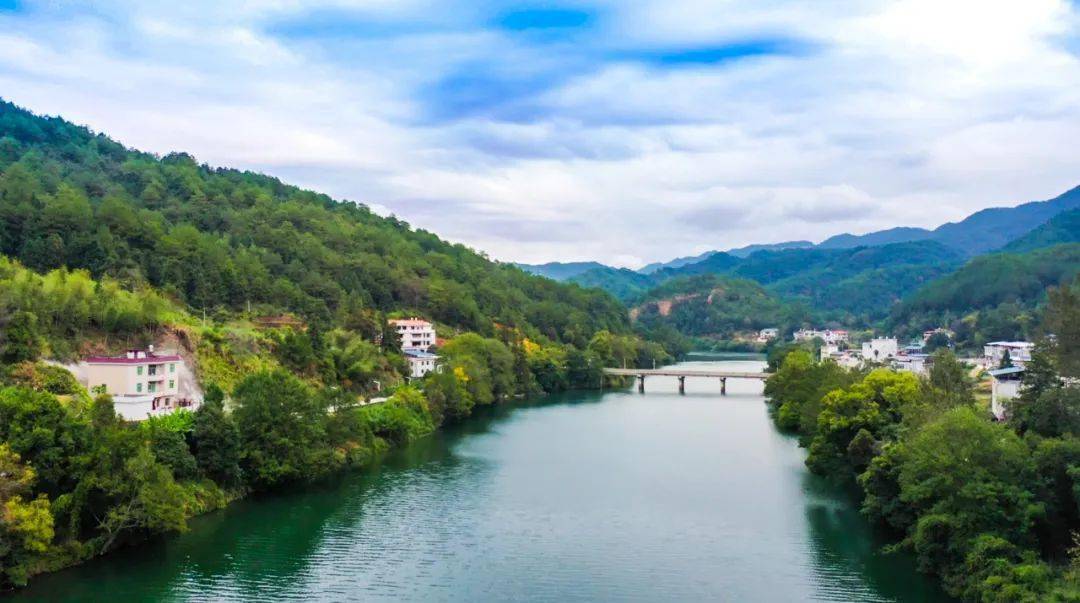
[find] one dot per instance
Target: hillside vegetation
(991, 297)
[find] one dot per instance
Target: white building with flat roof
(1019, 353)
(420, 363)
(766, 335)
(141, 383)
(880, 349)
(415, 333)
(1004, 386)
(826, 335)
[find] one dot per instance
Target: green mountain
(562, 271)
(716, 306)
(991, 297)
(742, 252)
(981, 232)
(901, 234)
(1062, 228)
(626, 285)
(222, 239)
(676, 263)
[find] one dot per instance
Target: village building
(420, 363)
(880, 349)
(142, 383)
(844, 358)
(826, 335)
(766, 335)
(913, 363)
(1019, 353)
(415, 333)
(1004, 386)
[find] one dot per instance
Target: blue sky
(619, 131)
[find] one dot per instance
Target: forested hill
(223, 239)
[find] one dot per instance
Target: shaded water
(581, 497)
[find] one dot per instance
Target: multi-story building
(826, 335)
(994, 352)
(420, 363)
(880, 349)
(415, 333)
(766, 335)
(141, 383)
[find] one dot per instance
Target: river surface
(616, 496)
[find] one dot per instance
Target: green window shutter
(138, 387)
(138, 370)
(172, 368)
(172, 384)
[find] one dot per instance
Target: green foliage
(974, 502)
(19, 338)
(225, 238)
(282, 429)
(991, 298)
(402, 418)
(216, 440)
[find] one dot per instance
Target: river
(579, 497)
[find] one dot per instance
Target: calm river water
(583, 497)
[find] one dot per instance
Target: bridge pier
(682, 384)
(723, 386)
(641, 384)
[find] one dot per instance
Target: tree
(282, 429)
(20, 340)
(216, 441)
(871, 405)
(1006, 360)
(1054, 413)
(963, 475)
(1062, 320)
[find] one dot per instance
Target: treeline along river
(580, 497)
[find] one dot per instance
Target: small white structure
(845, 358)
(880, 349)
(1004, 386)
(826, 335)
(1019, 353)
(141, 383)
(912, 363)
(766, 335)
(415, 333)
(420, 363)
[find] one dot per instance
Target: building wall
(124, 379)
(1001, 391)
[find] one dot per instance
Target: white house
(826, 335)
(420, 362)
(141, 383)
(1004, 386)
(766, 335)
(415, 333)
(1019, 353)
(912, 363)
(880, 349)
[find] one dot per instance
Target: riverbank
(575, 496)
(971, 499)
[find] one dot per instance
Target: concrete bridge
(682, 374)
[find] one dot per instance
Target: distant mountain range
(981, 232)
(858, 279)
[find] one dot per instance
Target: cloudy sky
(619, 131)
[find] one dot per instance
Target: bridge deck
(677, 372)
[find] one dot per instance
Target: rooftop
(133, 357)
(410, 322)
(420, 354)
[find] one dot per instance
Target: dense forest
(223, 239)
(990, 508)
(992, 297)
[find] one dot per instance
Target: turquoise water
(582, 497)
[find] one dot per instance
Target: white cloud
(905, 113)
